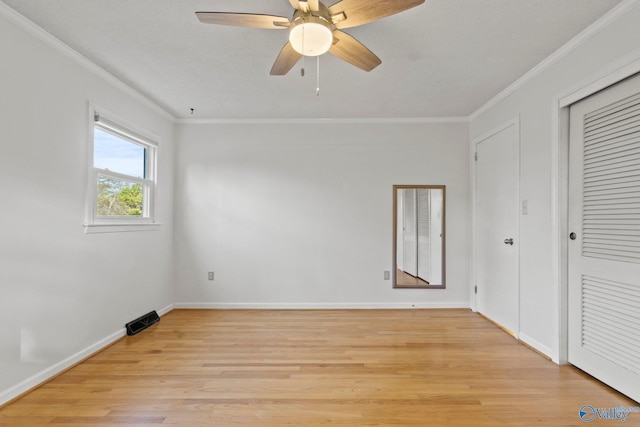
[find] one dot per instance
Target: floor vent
(142, 323)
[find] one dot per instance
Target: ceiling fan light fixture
(311, 35)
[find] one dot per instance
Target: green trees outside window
(118, 198)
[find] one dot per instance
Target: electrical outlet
(387, 275)
(210, 275)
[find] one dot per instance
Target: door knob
(508, 241)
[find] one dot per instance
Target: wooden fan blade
(351, 50)
(243, 20)
(295, 4)
(285, 61)
(358, 12)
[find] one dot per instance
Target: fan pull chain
(318, 75)
(302, 69)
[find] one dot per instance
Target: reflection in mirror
(418, 236)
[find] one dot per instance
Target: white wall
(533, 102)
(301, 214)
(62, 291)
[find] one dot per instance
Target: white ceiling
(444, 58)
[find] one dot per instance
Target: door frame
(612, 74)
(474, 234)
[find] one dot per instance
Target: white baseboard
(165, 310)
(316, 306)
(50, 372)
(535, 344)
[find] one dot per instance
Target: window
(122, 178)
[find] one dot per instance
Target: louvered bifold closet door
(604, 249)
(611, 203)
(410, 252)
(424, 235)
(609, 312)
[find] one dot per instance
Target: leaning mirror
(418, 236)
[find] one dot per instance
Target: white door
(497, 222)
(604, 247)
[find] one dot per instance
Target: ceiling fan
(315, 29)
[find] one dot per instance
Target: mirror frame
(395, 235)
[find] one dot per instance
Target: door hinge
(475, 289)
(475, 156)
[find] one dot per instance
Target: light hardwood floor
(317, 367)
(406, 280)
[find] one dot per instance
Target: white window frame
(94, 223)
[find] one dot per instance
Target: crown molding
(256, 121)
(595, 28)
(38, 32)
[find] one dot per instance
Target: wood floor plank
(317, 367)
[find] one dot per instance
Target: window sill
(120, 227)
